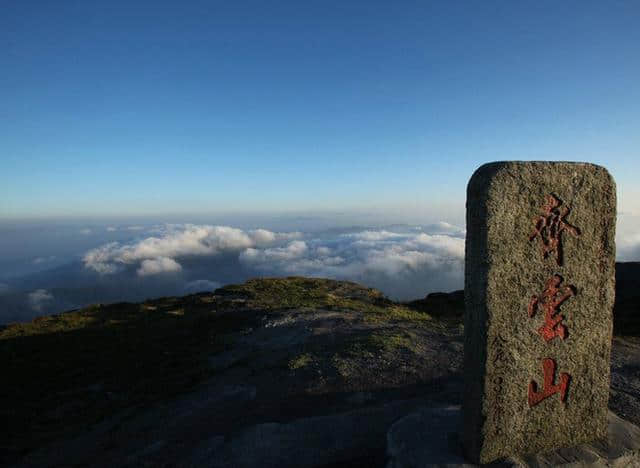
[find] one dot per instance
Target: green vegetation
(295, 291)
(300, 292)
(377, 342)
(392, 341)
(53, 324)
(362, 351)
(300, 361)
(396, 312)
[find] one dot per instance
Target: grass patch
(50, 324)
(314, 293)
(368, 348)
(396, 312)
(344, 366)
(301, 361)
(299, 292)
(391, 341)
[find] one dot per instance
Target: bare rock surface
(429, 438)
(314, 441)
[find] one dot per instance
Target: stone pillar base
(430, 438)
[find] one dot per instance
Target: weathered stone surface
(426, 438)
(430, 438)
(308, 442)
(518, 288)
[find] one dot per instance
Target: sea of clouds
(136, 262)
(404, 263)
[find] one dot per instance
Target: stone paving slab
(429, 438)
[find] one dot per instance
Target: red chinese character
(550, 226)
(550, 300)
(548, 388)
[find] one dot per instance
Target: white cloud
(158, 265)
(111, 228)
(323, 251)
(262, 236)
(295, 249)
(440, 244)
(628, 237)
(397, 261)
(443, 227)
(404, 265)
(85, 231)
(103, 259)
(175, 241)
(134, 228)
(38, 298)
(628, 248)
(373, 236)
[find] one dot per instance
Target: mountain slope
(276, 372)
(311, 343)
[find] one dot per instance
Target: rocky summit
(277, 372)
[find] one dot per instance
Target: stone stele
(539, 292)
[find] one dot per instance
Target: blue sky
(137, 108)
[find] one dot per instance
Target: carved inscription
(499, 362)
(550, 300)
(549, 388)
(550, 225)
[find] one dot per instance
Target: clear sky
(187, 107)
